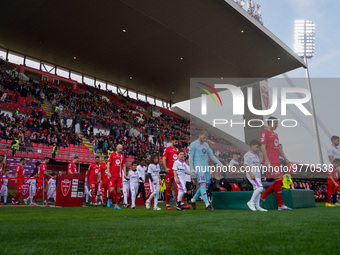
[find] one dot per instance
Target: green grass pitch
(97, 230)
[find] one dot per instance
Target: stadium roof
(165, 43)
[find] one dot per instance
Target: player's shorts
(257, 183)
(169, 177)
(116, 182)
(203, 177)
(93, 185)
(274, 170)
(154, 187)
(189, 186)
(19, 184)
(331, 187)
(40, 185)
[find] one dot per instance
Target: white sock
(193, 200)
(207, 204)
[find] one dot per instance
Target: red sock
(110, 195)
(104, 191)
(278, 191)
(16, 196)
(167, 195)
(36, 196)
(329, 198)
(93, 197)
(268, 190)
(118, 195)
(114, 195)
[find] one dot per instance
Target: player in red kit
(169, 157)
(271, 151)
(104, 180)
(19, 174)
(72, 167)
(92, 175)
(117, 168)
(42, 173)
(332, 182)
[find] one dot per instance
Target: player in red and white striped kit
(92, 175)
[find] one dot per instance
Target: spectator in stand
(101, 145)
(29, 146)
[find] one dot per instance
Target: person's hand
(167, 170)
(101, 183)
(16, 181)
(154, 182)
(267, 163)
(177, 181)
(336, 185)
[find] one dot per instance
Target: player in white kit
(4, 189)
(52, 187)
(153, 172)
(32, 182)
(252, 164)
(180, 171)
(126, 190)
(134, 177)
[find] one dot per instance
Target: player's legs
(254, 202)
(118, 185)
(330, 191)
(141, 189)
(188, 195)
(93, 192)
(15, 198)
(126, 188)
(133, 189)
(181, 190)
(169, 179)
(103, 190)
(155, 206)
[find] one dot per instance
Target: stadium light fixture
(304, 46)
(304, 38)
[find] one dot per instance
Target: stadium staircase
(86, 142)
(47, 107)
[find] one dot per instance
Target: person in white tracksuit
(32, 182)
(52, 187)
(180, 171)
(134, 177)
(153, 172)
(4, 189)
(126, 190)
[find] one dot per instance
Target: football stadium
(153, 127)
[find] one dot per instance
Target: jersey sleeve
(165, 154)
(175, 165)
(149, 169)
(17, 169)
(191, 157)
(69, 166)
(110, 158)
(264, 138)
(330, 153)
(123, 162)
(43, 167)
(247, 160)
